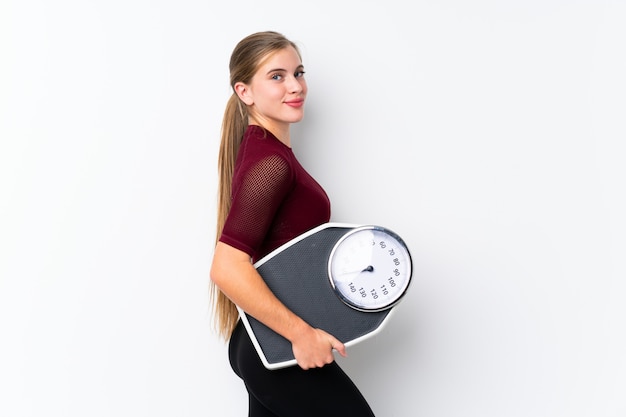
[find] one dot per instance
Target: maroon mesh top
(273, 198)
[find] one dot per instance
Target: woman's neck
(280, 130)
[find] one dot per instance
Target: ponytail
(233, 128)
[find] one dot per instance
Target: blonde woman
(266, 198)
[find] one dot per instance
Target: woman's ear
(243, 92)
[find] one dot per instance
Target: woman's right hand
(313, 348)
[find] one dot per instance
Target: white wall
(487, 134)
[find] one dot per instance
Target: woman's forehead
(285, 59)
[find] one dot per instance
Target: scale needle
(369, 268)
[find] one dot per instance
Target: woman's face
(275, 96)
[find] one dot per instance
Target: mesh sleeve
(258, 192)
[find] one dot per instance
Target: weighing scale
(342, 278)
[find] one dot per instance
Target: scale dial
(370, 268)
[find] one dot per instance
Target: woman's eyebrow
(298, 68)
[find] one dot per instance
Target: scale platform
(298, 274)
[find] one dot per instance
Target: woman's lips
(295, 103)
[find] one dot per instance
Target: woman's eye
(300, 74)
(277, 77)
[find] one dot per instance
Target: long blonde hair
(245, 60)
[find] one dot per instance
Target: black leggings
(292, 391)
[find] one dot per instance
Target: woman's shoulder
(259, 143)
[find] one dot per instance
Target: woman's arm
(232, 271)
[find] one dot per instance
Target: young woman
(266, 198)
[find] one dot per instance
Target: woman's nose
(294, 85)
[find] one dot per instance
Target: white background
(488, 134)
